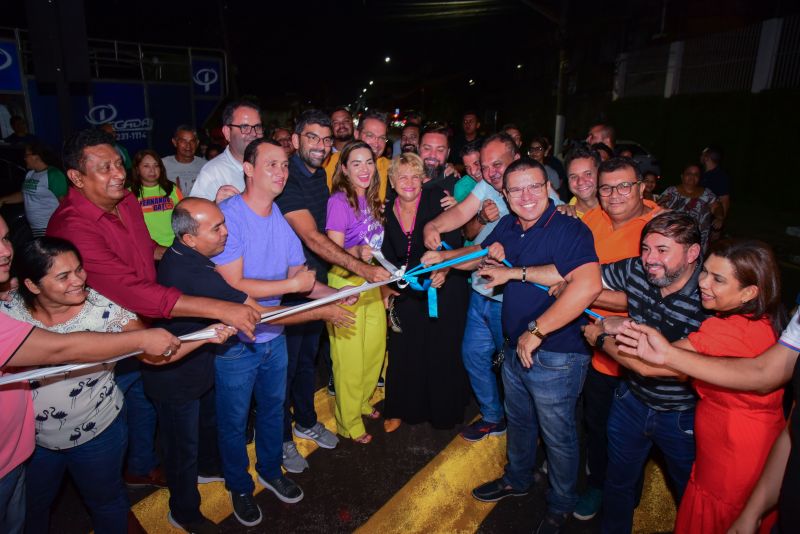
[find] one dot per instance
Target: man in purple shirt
(263, 258)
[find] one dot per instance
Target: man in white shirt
(223, 176)
(184, 166)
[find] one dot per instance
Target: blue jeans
(141, 417)
(633, 428)
(245, 370)
(96, 469)
(302, 343)
(12, 501)
(189, 439)
(543, 398)
(483, 338)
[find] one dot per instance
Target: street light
(364, 90)
(387, 59)
(519, 65)
(371, 82)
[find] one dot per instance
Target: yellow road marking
(438, 498)
(215, 503)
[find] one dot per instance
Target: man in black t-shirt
(471, 125)
(183, 393)
(716, 179)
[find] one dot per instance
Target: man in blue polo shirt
(545, 356)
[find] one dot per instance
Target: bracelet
(524, 274)
(481, 220)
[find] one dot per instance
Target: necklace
(410, 231)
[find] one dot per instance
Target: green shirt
(464, 187)
(157, 210)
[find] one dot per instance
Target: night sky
(325, 52)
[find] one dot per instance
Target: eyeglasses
(534, 189)
(247, 128)
(369, 136)
(314, 139)
(623, 188)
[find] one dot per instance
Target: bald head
(200, 225)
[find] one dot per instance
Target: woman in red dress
(734, 431)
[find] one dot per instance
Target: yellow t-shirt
(572, 202)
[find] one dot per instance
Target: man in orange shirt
(616, 226)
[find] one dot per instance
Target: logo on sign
(205, 78)
(5, 59)
(101, 114)
(126, 129)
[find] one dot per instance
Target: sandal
(363, 439)
(390, 425)
(374, 414)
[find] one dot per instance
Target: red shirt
(117, 254)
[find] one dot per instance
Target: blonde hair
(407, 159)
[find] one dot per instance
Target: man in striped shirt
(661, 290)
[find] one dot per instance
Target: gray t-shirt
(183, 174)
(41, 191)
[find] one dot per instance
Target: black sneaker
(331, 388)
(283, 488)
(552, 523)
(245, 509)
(496, 490)
(483, 428)
(204, 526)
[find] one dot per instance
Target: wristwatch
(481, 220)
(533, 328)
(601, 339)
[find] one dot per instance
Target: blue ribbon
(433, 298)
(412, 274)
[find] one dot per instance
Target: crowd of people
(584, 286)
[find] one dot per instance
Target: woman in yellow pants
(354, 222)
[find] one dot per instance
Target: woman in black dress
(425, 379)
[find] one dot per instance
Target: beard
(433, 170)
(409, 148)
(311, 160)
(669, 276)
(342, 135)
